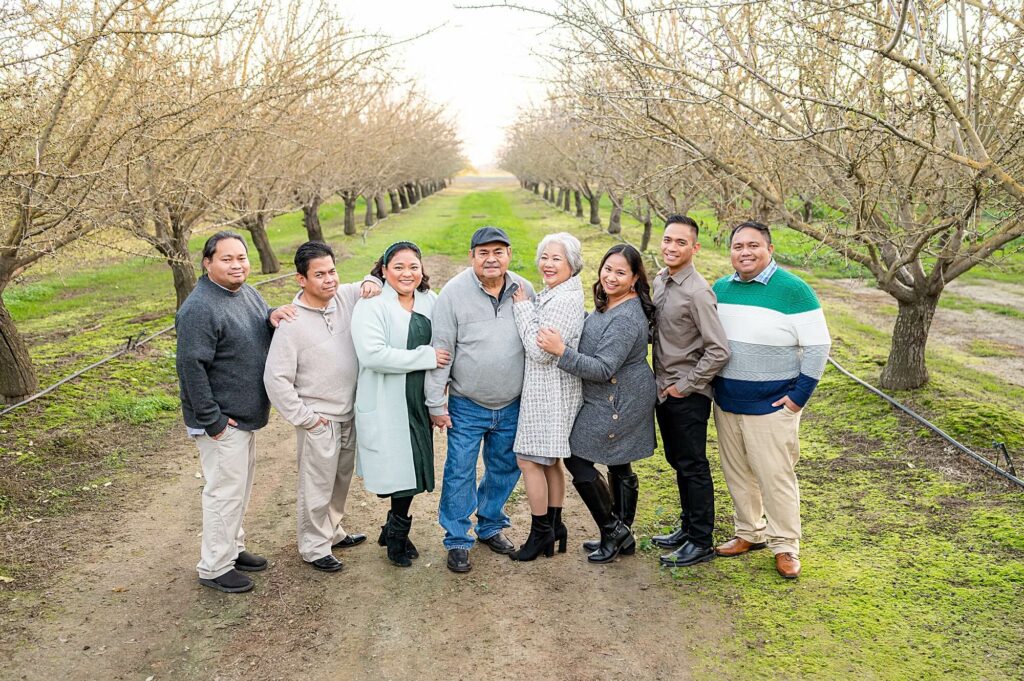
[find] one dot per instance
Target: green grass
(911, 570)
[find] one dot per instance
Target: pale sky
(478, 63)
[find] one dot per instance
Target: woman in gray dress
(615, 426)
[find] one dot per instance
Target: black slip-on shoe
(349, 541)
(231, 582)
(672, 540)
(458, 560)
(250, 562)
(499, 544)
(688, 554)
(326, 564)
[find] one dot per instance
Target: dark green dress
(420, 434)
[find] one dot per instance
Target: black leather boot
(396, 536)
(561, 533)
(614, 534)
(410, 550)
(541, 540)
(625, 492)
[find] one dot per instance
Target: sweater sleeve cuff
(801, 392)
(218, 427)
(438, 411)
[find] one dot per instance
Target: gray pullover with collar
(480, 332)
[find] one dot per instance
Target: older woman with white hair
(551, 397)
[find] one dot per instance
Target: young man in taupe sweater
(310, 378)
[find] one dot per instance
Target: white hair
(570, 244)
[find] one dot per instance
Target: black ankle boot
(615, 536)
(561, 533)
(410, 550)
(541, 540)
(396, 535)
(625, 492)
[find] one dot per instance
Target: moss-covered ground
(913, 557)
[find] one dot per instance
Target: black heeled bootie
(541, 540)
(561, 533)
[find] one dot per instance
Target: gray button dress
(616, 423)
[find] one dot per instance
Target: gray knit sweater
(223, 338)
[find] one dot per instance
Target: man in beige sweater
(310, 378)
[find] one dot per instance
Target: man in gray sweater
(224, 329)
(473, 320)
(311, 380)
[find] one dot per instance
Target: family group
(528, 381)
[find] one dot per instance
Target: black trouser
(584, 471)
(683, 422)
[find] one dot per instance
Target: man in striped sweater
(779, 344)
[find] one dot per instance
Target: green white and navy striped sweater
(778, 339)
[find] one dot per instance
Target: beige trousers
(759, 455)
(228, 466)
(326, 456)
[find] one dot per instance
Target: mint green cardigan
(380, 332)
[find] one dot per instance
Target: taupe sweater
(311, 367)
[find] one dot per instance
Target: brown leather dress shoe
(787, 565)
(737, 546)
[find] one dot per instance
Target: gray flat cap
(489, 235)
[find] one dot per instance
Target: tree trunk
(256, 225)
(615, 219)
(369, 220)
(558, 196)
(595, 208)
(184, 274)
(536, 187)
(905, 369)
(311, 219)
(645, 240)
(403, 198)
(350, 214)
(382, 211)
(17, 376)
(410, 190)
(579, 204)
(396, 206)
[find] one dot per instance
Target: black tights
(582, 470)
(400, 505)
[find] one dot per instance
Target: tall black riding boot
(396, 537)
(614, 535)
(541, 540)
(625, 492)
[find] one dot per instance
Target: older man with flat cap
(473, 320)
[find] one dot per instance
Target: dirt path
(131, 608)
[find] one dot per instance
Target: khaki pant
(326, 456)
(759, 454)
(228, 466)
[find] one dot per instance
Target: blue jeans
(460, 495)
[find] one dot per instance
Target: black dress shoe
(250, 562)
(231, 582)
(688, 554)
(349, 541)
(327, 564)
(458, 560)
(670, 541)
(499, 544)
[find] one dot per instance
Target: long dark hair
(642, 288)
(389, 255)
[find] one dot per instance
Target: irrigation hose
(112, 356)
(931, 426)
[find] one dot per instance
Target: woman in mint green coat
(391, 334)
